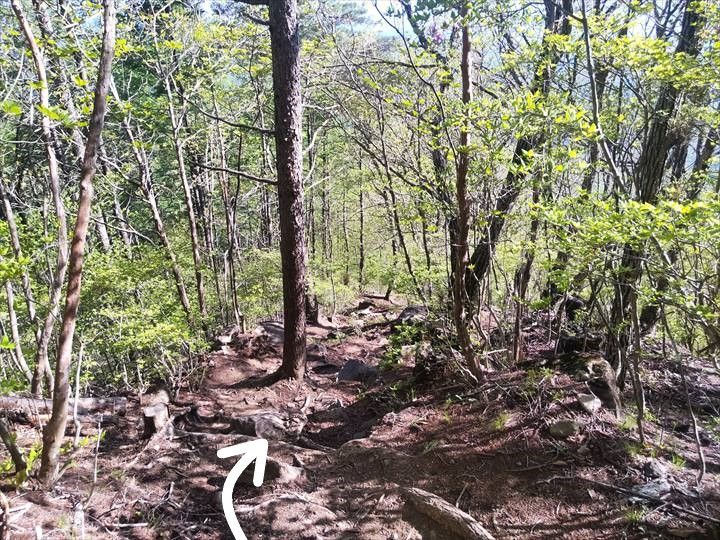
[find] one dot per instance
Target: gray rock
(655, 489)
(357, 370)
(590, 402)
(653, 468)
(411, 314)
(563, 429)
(316, 352)
(275, 471)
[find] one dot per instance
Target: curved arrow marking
(253, 450)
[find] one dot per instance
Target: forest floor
(341, 452)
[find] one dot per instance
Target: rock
(411, 315)
(155, 417)
(563, 429)
(223, 340)
(316, 351)
(270, 427)
(590, 402)
(655, 489)
(600, 378)
(357, 370)
(407, 354)
(653, 468)
(275, 471)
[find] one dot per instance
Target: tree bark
(462, 222)
(285, 47)
(146, 185)
(55, 429)
(189, 209)
(17, 251)
(15, 332)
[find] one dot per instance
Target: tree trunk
(557, 22)
(189, 209)
(42, 366)
(17, 251)
(55, 429)
(648, 177)
(15, 332)
(285, 47)
(147, 188)
(361, 239)
(462, 221)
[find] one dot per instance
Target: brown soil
(486, 450)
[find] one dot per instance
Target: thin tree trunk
(55, 429)
(192, 220)
(361, 240)
(146, 185)
(42, 366)
(15, 332)
(462, 221)
(557, 22)
(230, 205)
(17, 251)
(123, 224)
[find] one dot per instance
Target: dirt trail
(339, 453)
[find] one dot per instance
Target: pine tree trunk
(285, 47)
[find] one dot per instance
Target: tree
(285, 46)
(55, 428)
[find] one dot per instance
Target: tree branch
(241, 174)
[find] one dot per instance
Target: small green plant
(430, 446)
(635, 514)
(534, 379)
(628, 424)
(677, 460)
(633, 449)
(404, 334)
(446, 411)
(500, 421)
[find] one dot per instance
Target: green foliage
(500, 422)
(403, 335)
(259, 285)
(136, 300)
(635, 514)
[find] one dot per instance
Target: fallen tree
(449, 518)
(112, 405)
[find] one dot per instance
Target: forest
(432, 269)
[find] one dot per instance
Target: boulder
(357, 370)
(562, 429)
(589, 402)
(655, 489)
(275, 471)
(411, 315)
(654, 468)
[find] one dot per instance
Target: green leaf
(12, 108)
(6, 344)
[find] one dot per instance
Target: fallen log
(114, 405)
(447, 517)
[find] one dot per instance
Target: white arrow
(253, 450)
